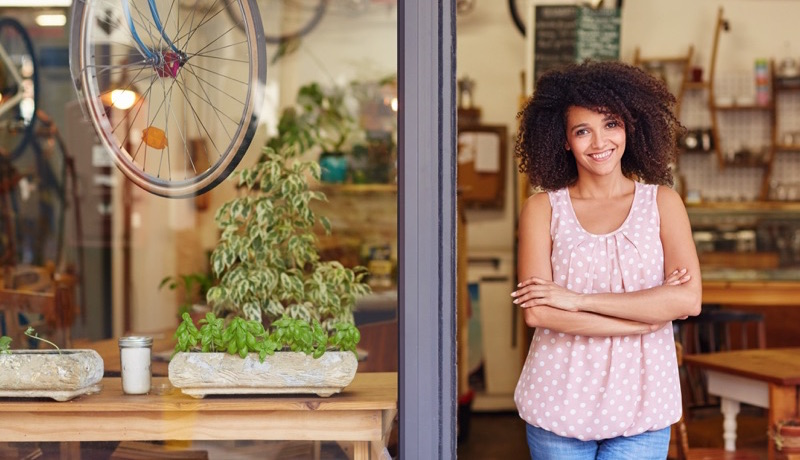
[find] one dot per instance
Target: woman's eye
(612, 124)
(581, 132)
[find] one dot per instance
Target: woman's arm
(534, 247)
(652, 306)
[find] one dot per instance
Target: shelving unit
(762, 159)
(684, 64)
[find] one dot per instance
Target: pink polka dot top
(594, 388)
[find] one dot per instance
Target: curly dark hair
(642, 102)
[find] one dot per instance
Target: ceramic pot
(787, 436)
(334, 167)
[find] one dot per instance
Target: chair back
(50, 313)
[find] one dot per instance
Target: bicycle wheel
(195, 85)
(518, 14)
(285, 20)
(19, 80)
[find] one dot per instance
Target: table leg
(730, 409)
(783, 405)
(361, 450)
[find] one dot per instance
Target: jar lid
(135, 342)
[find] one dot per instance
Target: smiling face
(597, 141)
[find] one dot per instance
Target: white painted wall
(758, 29)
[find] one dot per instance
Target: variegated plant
(266, 260)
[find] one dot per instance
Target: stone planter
(50, 374)
(787, 436)
(199, 374)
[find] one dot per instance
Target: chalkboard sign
(565, 34)
(555, 38)
(598, 34)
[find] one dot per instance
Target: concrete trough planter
(200, 374)
(50, 374)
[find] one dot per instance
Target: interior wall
(758, 29)
(490, 51)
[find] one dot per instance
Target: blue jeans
(650, 445)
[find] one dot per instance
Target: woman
(606, 262)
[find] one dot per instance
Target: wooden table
(362, 413)
(767, 378)
(752, 293)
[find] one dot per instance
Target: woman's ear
(566, 146)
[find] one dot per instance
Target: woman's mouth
(601, 156)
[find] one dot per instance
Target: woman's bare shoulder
(536, 204)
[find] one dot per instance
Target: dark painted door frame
(427, 229)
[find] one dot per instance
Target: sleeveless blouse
(594, 388)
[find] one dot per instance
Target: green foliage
(195, 286)
(32, 334)
(321, 118)
(5, 344)
(266, 260)
(240, 336)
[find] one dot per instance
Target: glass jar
(135, 355)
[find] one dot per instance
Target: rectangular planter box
(50, 374)
(285, 372)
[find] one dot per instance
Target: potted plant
(325, 115)
(240, 356)
(271, 277)
(58, 374)
(786, 436)
(193, 288)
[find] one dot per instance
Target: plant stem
(30, 333)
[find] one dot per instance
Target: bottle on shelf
(762, 82)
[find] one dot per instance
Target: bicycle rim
(517, 14)
(199, 80)
(17, 120)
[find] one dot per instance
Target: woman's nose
(598, 140)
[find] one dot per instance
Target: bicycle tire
(306, 24)
(13, 30)
(517, 16)
(211, 89)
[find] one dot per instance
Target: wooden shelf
(695, 85)
(735, 107)
(747, 164)
(745, 206)
(787, 147)
(356, 189)
(787, 83)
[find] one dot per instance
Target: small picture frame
(481, 158)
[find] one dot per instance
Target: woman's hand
(539, 292)
(678, 277)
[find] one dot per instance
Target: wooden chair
(680, 437)
(50, 312)
(716, 329)
(134, 450)
(379, 340)
(9, 451)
